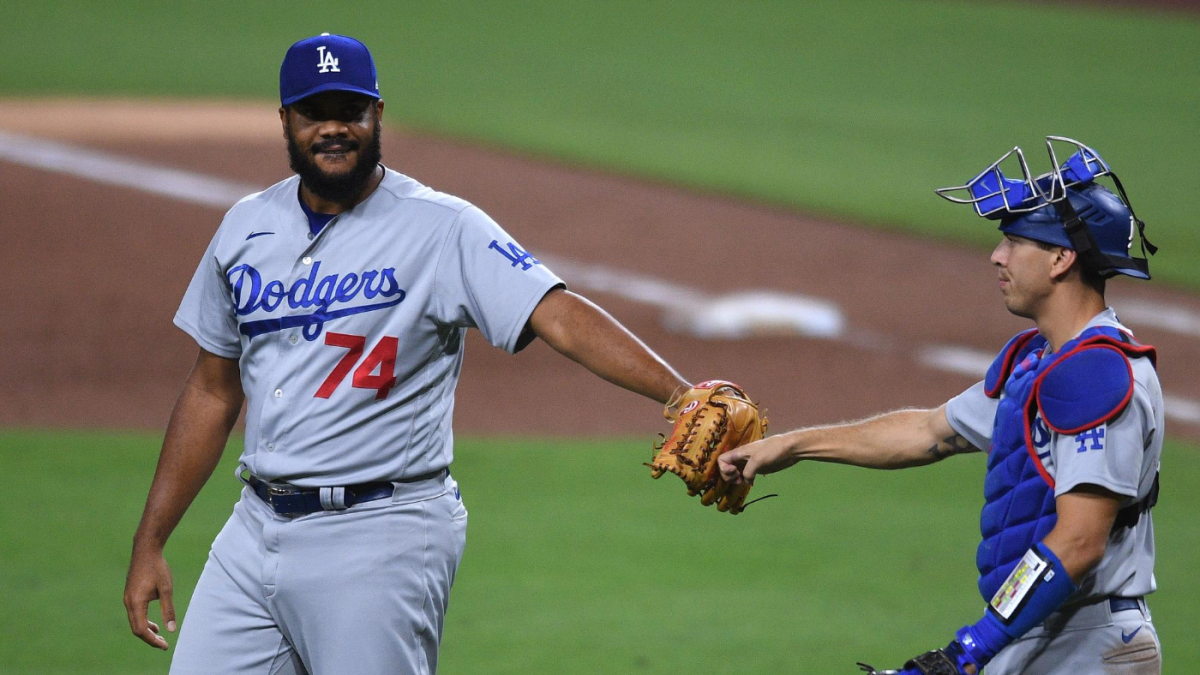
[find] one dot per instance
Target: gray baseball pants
(1086, 640)
(363, 590)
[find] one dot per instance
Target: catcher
(1071, 413)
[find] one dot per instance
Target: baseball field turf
(854, 109)
(576, 561)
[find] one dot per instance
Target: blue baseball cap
(326, 63)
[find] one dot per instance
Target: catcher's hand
(711, 418)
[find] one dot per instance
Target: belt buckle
(279, 490)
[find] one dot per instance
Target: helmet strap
(1090, 255)
(1141, 226)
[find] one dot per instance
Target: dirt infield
(97, 271)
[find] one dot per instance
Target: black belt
(1122, 604)
(289, 500)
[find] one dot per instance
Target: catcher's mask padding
(1063, 207)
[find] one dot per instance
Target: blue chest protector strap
(1129, 516)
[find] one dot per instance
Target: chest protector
(1087, 383)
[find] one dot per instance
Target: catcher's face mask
(1064, 207)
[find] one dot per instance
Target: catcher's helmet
(1065, 207)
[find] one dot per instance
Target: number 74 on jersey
(377, 371)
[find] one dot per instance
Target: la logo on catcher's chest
(327, 63)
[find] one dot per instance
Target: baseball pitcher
(334, 304)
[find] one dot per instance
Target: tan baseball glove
(710, 419)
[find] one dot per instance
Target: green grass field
(855, 109)
(568, 573)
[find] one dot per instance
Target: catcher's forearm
(195, 438)
(894, 440)
(1047, 575)
(586, 334)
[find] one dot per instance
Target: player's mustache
(336, 145)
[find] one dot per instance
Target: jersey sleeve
(1108, 455)
(486, 280)
(973, 414)
(206, 312)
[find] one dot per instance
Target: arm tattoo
(951, 445)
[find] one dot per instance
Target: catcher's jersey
(350, 341)
(1121, 456)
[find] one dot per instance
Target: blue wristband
(1037, 587)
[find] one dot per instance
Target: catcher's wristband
(1037, 586)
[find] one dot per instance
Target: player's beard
(342, 188)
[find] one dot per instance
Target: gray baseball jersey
(1124, 458)
(350, 342)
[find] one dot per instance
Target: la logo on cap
(325, 62)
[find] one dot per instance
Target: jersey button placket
(277, 394)
(273, 413)
(275, 359)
